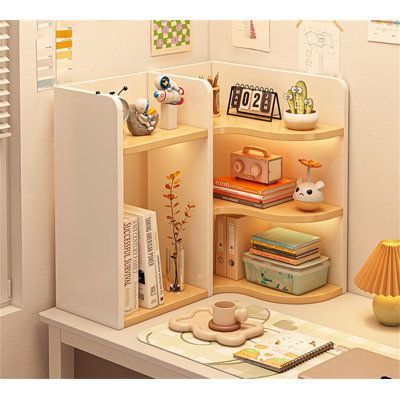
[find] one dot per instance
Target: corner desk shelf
(91, 187)
(224, 285)
(274, 130)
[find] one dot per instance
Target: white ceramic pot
(300, 122)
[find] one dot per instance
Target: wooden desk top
(349, 313)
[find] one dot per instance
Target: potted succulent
(301, 115)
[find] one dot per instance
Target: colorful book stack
(253, 194)
(286, 246)
(143, 284)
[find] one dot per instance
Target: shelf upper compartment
(286, 212)
(161, 138)
(274, 130)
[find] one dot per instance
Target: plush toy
(307, 195)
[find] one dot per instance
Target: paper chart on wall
(251, 34)
(384, 31)
(45, 53)
(319, 48)
(64, 51)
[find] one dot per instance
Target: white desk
(349, 313)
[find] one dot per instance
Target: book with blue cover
(285, 238)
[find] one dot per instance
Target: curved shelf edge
(286, 212)
(274, 130)
(225, 285)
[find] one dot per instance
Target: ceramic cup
(226, 313)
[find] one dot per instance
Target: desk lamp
(380, 275)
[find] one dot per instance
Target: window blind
(4, 82)
(5, 132)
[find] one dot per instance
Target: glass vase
(175, 263)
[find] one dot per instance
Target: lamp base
(387, 309)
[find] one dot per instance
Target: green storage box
(286, 278)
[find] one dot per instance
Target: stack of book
(143, 285)
(285, 245)
(253, 194)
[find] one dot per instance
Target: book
(286, 238)
(262, 189)
(284, 351)
(268, 247)
(128, 264)
(160, 286)
(148, 296)
(251, 203)
(238, 231)
(135, 263)
(220, 245)
(275, 196)
(285, 253)
(230, 192)
(284, 259)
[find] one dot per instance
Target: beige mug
(226, 313)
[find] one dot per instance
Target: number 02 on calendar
(253, 102)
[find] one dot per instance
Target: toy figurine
(168, 92)
(301, 115)
(308, 195)
(142, 119)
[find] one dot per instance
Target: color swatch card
(64, 51)
(45, 62)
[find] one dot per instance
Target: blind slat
(3, 24)
(4, 36)
(4, 59)
(4, 81)
(4, 114)
(4, 125)
(4, 92)
(4, 103)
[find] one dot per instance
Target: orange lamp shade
(380, 274)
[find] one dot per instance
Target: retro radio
(256, 164)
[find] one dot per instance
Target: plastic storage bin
(280, 276)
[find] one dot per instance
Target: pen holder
(216, 107)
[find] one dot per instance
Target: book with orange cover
(284, 259)
(278, 196)
(253, 187)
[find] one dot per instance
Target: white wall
(371, 71)
(123, 47)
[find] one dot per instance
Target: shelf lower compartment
(243, 286)
(285, 212)
(191, 294)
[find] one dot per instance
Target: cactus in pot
(301, 114)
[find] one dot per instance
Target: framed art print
(170, 36)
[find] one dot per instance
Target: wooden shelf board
(161, 138)
(225, 285)
(274, 130)
(286, 212)
(191, 294)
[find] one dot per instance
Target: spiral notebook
(284, 351)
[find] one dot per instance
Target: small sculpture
(307, 195)
(168, 92)
(142, 119)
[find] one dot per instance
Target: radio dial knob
(255, 170)
(238, 166)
